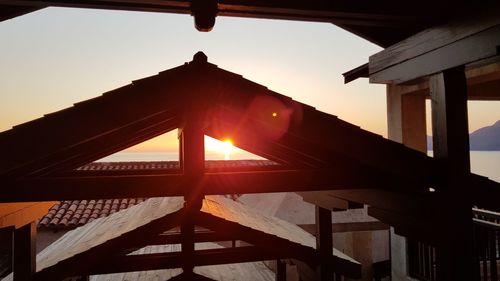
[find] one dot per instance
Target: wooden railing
(486, 228)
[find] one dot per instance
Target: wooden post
(451, 149)
(192, 156)
(324, 243)
(280, 270)
(25, 252)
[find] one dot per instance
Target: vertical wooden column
(324, 243)
(406, 121)
(193, 165)
(280, 270)
(451, 149)
(25, 252)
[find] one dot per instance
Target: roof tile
(73, 213)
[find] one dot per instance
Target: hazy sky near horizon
(55, 57)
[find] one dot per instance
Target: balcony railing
(486, 229)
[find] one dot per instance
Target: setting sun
(224, 147)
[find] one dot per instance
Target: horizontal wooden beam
(349, 227)
(484, 192)
(11, 11)
(324, 199)
(434, 50)
(132, 263)
(400, 202)
(428, 229)
(102, 187)
(82, 261)
(343, 12)
(304, 253)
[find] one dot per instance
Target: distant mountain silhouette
(486, 138)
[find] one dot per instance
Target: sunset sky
(55, 57)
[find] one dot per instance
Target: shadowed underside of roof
(256, 119)
(382, 22)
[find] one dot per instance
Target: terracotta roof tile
(74, 213)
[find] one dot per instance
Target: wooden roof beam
(297, 251)
(461, 42)
(132, 263)
(387, 13)
(102, 187)
(11, 11)
(81, 262)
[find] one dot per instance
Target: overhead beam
(12, 11)
(342, 12)
(436, 49)
(326, 200)
(102, 187)
(349, 227)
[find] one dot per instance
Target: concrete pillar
(407, 125)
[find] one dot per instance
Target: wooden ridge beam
(102, 187)
(465, 41)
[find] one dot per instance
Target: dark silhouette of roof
(258, 120)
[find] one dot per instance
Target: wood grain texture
(236, 212)
(241, 271)
(461, 42)
(103, 229)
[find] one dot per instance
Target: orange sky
(55, 57)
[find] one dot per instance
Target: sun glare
(225, 147)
